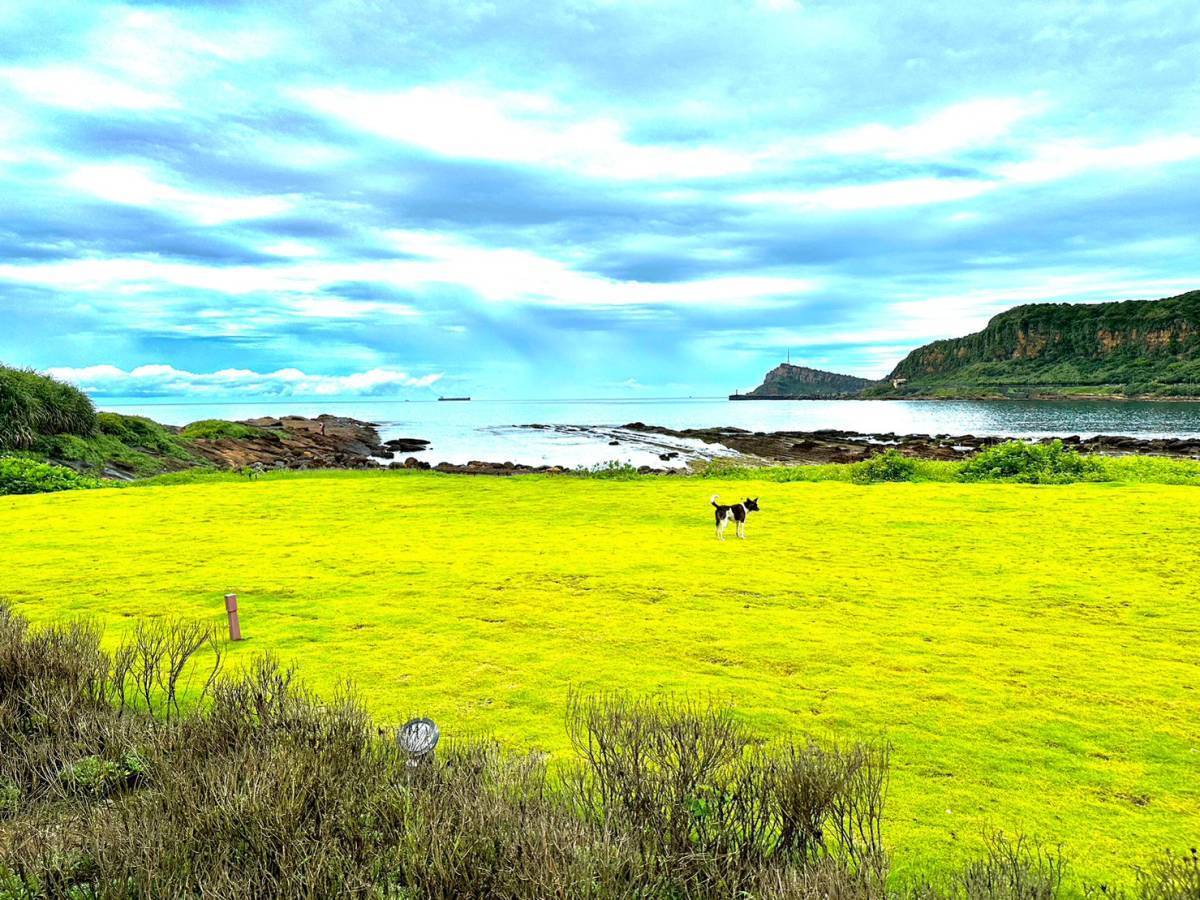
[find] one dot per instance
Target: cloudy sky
(576, 198)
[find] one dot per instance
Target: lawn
(1030, 652)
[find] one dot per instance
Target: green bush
(21, 475)
(1050, 463)
(95, 777)
(32, 405)
(10, 798)
(890, 465)
(140, 432)
(612, 470)
(215, 429)
(135, 444)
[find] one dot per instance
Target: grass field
(1031, 652)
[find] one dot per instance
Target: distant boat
(453, 398)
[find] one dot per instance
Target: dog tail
(713, 501)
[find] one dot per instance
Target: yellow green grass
(1031, 652)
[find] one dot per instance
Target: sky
(573, 199)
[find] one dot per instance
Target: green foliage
(32, 405)
(1048, 463)
(135, 444)
(215, 429)
(10, 798)
(786, 380)
(22, 475)
(613, 470)
(92, 776)
(726, 468)
(890, 465)
(141, 433)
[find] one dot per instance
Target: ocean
(492, 430)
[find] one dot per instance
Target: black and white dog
(736, 513)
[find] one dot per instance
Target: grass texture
(1030, 651)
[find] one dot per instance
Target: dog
(737, 513)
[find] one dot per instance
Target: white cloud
(81, 88)
(337, 308)
(1064, 159)
(877, 195)
(454, 121)
(961, 126)
(164, 380)
(136, 186)
(433, 259)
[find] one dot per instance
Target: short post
(235, 629)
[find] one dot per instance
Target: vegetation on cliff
(786, 381)
(44, 419)
(1135, 348)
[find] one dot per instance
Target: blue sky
(574, 199)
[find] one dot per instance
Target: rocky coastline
(339, 442)
(833, 446)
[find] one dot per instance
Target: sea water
(493, 430)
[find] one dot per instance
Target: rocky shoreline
(334, 442)
(833, 446)
(338, 442)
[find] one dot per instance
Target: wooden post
(235, 630)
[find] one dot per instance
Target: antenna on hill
(789, 356)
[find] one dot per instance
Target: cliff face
(788, 381)
(1133, 348)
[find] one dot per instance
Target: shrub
(20, 475)
(10, 798)
(613, 470)
(94, 777)
(890, 465)
(1048, 463)
(134, 444)
(140, 432)
(725, 467)
(215, 429)
(1171, 878)
(266, 790)
(1014, 869)
(32, 405)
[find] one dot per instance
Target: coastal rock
(836, 446)
(407, 445)
(296, 442)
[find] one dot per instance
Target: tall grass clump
(1050, 463)
(32, 405)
